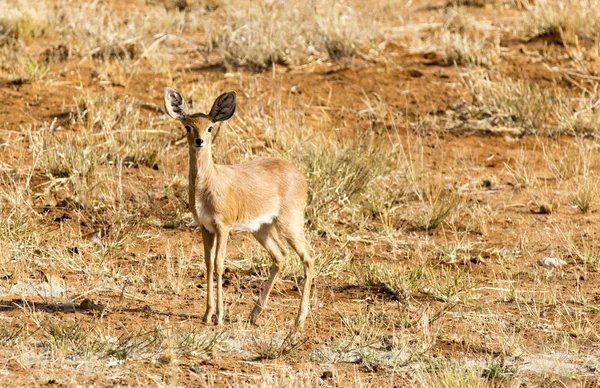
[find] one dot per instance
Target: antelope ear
(174, 104)
(223, 108)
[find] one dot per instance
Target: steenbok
(265, 196)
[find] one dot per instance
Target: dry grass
(399, 282)
(258, 35)
(568, 19)
(426, 243)
(512, 103)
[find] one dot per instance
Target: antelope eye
(188, 128)
(210, 129)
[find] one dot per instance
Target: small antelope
(265, 196)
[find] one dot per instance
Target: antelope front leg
(208, 239)
(222, 235)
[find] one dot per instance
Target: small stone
(551, 262)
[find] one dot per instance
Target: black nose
(198, 141)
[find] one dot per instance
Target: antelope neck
(201, 169)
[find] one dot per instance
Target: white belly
(255, 224)
(204, 220)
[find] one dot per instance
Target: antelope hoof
(254, 314)
(252, 320)
(299, 325)
(207, 317)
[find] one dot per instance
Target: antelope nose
(198, 141)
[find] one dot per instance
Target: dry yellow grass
(445, 156)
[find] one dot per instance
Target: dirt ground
(486, 305)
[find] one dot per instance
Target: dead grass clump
(478, 217)
(19, 68)
(584, 194)
(564, 162)
(566, 19)
(583, 248)
(275, 346)
(18, 220)
(337, 174)
(172, 271)
(498, 368)
(128, 137)
(375, 340)
(64, 340)
(17, 29)
(457, 20)
(458, 49)
(580, 114)
(342, 33)
(546, 201)
(62, 156)
(94, 29)
(508, 102)
(400, 282)
(533, 109)
(20, 24)
(448, 286)
(453, 47)
(521, 171)
(441, 202)
(259, 35)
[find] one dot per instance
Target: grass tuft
(441, 203)
(401, 282)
